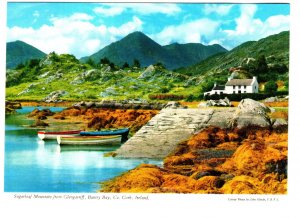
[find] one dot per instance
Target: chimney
(254, 78)
(215, 84)
(229, 78)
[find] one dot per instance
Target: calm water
(32, 165)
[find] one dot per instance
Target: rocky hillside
(19, 52)
(139, 46)
(65, 77)
(249, 59)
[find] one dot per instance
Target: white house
(235, 86)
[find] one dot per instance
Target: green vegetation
(271, 87)
(268, 59)
(104, 79)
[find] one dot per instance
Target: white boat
(89, 140)
(53, 135)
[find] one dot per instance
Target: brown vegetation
(97, 118)
(277, 104)
(252, 160)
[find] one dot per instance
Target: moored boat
(89, 140)
(122, 132)
(53, 135)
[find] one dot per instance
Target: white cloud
(74, 35)
(188, 32)
(250, 28)
(127, 28)
(219, 9)
(139, 8)
(109, 12)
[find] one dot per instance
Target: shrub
(271, 87)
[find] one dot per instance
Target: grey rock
(280, 122)
(271, 99)
(216, 103)
(148, 72)
(55, 96)
(253, 107)
(174, 105)
(250, 112)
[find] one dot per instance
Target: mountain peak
(138, 45)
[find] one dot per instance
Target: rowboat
(53, 135)
(89, 140)
(123, 132)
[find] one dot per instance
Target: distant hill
(139, 46)
(275, 48)
(19, 52)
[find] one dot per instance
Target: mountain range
(20, 52)
(138, 46)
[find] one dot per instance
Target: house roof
(219, 87)
(239, 82)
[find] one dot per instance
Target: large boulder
(253, 107)
(250, 112)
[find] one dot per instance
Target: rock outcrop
(125, 104)
(174, 105)
(250, 112)
(216, 103)
(166, 130)
(55, 96)
(10, 106)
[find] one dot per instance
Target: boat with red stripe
(44, 135)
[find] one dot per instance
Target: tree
(136, 63)
(262, 66)
(91, 62)
(271, 87)
(125, 65)
(207, 86)
(105, 60)
(20, 66)
(33, 63)
(159, 64)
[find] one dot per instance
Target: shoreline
(223, 172)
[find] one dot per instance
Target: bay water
(33, 165)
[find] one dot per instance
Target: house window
(233, 92)
(233, 87)
(240, 91)
(245, 87)
(245, 91)
(221, 92)
(240, 87)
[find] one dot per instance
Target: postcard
(114, 104)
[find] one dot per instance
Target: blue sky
(84, 28)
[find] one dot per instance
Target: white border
(171, 205)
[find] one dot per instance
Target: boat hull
(122, 132)
(43, 135)
(89, 140)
